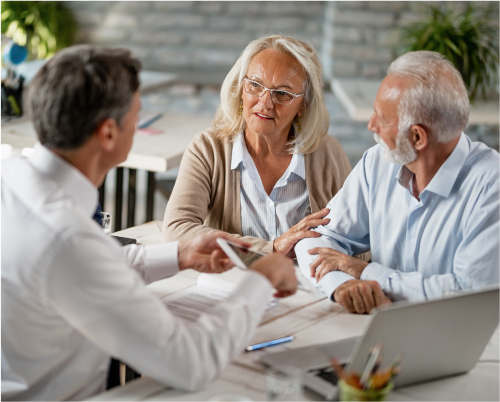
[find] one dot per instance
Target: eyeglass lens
(256, 89)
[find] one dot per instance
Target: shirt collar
(297, 166)
(404, 177)
(79, 187)
(237, 156)
(241, 155)
(444, 180)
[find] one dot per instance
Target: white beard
(403, 154)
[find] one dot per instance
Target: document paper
(209, 290)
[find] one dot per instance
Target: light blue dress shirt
(449, 240)
(269, 216)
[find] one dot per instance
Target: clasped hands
(356, 295)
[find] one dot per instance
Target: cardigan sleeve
(188, 205)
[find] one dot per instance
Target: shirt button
(271, 203)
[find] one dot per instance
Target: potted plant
(43, 26)
(467, 37)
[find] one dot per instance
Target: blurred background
(198, 42)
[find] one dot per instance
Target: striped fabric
(264, 216)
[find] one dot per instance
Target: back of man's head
(436, 98)
(77, 89)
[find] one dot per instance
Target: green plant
(44, 26)
(467, 37)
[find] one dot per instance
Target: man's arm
(104, 300)
(348, 229)
(332, 280)
(153, 262)
(475, 264)
(202, 253)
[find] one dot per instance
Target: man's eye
(255, 85)
(281, 93)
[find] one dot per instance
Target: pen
(269, 343)
(369, 365)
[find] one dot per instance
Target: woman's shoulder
(329, 146)
(330, 142)
(329, 153)
(208, 141)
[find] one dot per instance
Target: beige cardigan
(206, 195)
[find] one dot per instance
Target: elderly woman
(267, 166)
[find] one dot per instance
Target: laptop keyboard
(326, 373)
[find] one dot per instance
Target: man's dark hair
(77, 89)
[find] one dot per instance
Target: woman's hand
(286, 242)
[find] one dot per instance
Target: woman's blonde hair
(314, 121)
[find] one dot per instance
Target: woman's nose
(265, 99)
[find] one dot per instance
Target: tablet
(243, 257)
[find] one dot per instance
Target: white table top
(156, 153)
(318, 321)
(148, 80)
(358, 95)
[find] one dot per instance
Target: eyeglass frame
(271, 91)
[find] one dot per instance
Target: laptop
(437, 338)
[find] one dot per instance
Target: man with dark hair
(425, 201)
(71, 296)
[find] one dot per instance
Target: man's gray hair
(437, 100)
(79, 88)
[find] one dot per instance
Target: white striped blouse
(269, 216)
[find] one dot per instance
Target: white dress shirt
(446, 241)
(269, 216)
(72, 297)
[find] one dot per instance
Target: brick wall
(180, 36)
(354, 39)
(360, 38)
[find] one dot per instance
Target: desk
(155, 153)
(318, 321)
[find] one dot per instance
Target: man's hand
(287, 241)
(280, 272)
(359, 296)
(329, 259)
(204, 254)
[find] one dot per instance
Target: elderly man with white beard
(425, 200)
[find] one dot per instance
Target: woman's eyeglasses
(277, 95)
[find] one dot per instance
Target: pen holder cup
(349, 393)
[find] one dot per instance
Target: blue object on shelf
(14, 54)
